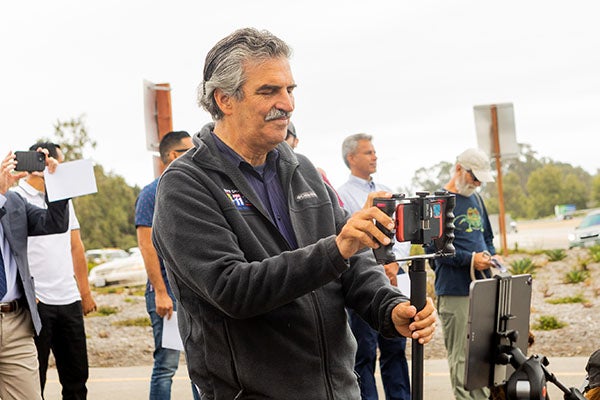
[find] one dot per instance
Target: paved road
(132, 382)
(540, 234)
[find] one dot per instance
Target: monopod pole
(418, 298)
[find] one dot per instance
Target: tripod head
(496, 351)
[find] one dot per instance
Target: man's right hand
(7, 175)
(360, 231)
(164, 304)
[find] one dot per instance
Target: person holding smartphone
(260, 256)
(59, 268)
(19, 375)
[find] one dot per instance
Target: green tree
(595, 190)
(430, 179)
(73, 137)
(556, 183)
(107, 217)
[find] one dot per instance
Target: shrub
(556, 254)
(595, 252)
(109, 289)
(578, 298)
(548, 323)
(522, 266)
(104, 311)
(576, 276)
(140, 321)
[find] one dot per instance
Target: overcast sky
(407, 72)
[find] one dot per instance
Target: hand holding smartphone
(30, 161)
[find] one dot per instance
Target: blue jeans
(166, 361)
(392, 362)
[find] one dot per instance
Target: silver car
(129, 271)
(588, 232)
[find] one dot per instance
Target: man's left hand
(87, 303)
(423, 324)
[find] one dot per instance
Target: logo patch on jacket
(238, 199)
(306, 195)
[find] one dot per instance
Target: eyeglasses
(475, 180)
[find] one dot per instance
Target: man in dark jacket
(19, 318)
(259, 254)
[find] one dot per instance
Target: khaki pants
(19, 375)
(454, 314)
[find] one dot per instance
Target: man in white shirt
(58, 266)
(360, 157)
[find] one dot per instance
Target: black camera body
(30, 161)
(424, 219)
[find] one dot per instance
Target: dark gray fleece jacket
(259, 320)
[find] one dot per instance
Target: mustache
(276, 113)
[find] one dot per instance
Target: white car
(588, 232)
(99, 256)
(129, 271)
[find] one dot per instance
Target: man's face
(268, 89)
(363, 162)
(466, 184)
(184, 145)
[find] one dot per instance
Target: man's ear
(224, 101)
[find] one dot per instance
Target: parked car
(129, 271)
(99, 256)
(587, 233)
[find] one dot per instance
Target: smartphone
(30, 161)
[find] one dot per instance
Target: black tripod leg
(418, 298)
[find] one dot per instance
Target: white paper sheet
(170, 337)
(71, 179)
(404, 284)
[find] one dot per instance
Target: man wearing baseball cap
(474, 252)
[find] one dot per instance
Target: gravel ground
(110, 345)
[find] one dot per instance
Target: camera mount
(425, 220)
(494, 343)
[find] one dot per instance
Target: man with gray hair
(259, 254)
(360, 157)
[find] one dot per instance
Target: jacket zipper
(322, 345)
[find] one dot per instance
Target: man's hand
(483, 260)
(164, 304)
(87, 303)
(391, 271)
(423, 324)
(51, 162)
(7, 175)
(360, 231)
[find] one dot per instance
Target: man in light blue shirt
(360, 157)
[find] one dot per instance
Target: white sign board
(71, 179)
(506, 130)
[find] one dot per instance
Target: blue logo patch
(238, 199)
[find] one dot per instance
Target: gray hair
(224, 64)
(350, 144)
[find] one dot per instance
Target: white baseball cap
(476, 161)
